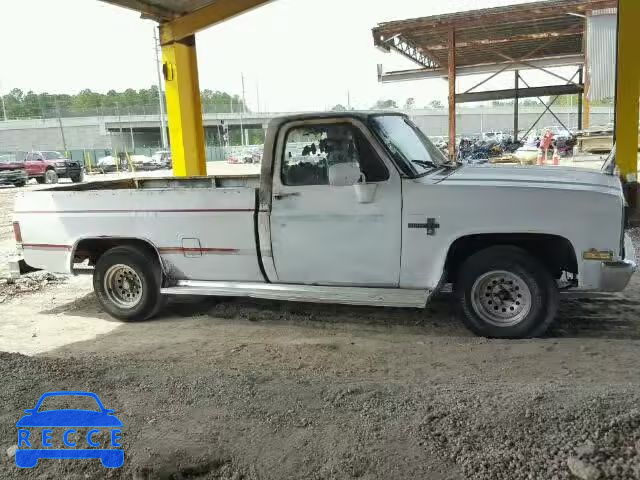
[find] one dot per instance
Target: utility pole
(163, 125)
(120, 123)
(64, 141)
(258, 96)
(133, 143)
(4, 110)
(348, 100)
(242, 111)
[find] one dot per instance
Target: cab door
(30, 164)
(336, 207)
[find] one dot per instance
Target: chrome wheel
(501, 298)
(50, 176)
(123, 286)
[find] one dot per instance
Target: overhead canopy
(181, 18)
(536, 31)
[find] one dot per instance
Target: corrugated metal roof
(526, 31)
(601, 52)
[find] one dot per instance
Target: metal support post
(452, 93)
(515, 108)
(580, 97)
(627, 93)
(184, 109)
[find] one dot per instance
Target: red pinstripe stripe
(161, 249)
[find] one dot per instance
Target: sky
(294, 54)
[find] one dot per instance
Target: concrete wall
(104, 132)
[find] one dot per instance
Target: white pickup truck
(352, 208)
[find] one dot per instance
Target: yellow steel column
(184, 111)
(628, 90)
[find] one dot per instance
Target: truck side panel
(201, 234)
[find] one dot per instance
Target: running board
(382, 297)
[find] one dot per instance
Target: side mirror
(365, 192)
(344, 174)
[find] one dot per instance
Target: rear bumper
(615, 276)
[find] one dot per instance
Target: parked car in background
(495, 136)
(143, 162)
(48, 166)
(527, 154)
(12, 171)
(162, 159)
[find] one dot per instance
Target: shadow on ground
(613, 317)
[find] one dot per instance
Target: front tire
(50, 177)
(503, 292)
(77, 178)
(127, 282)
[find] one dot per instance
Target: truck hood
(534, 177)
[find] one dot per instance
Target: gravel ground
(250, 389)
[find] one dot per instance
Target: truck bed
(185, 220)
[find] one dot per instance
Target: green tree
(339, 108)
(27, 105)
(436, 104)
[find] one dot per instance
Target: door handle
(280, 196)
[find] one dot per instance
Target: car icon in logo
(40, 433)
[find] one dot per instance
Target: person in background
(545, 144)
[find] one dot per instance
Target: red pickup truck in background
(49, 166)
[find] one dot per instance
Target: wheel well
(93, 248)
(49, 167)
(554, 252)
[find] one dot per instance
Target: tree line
(19, 104)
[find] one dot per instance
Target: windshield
(53, 155)
(407, 143)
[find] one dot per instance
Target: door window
(332, 154)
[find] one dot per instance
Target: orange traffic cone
(540, 157)
(556, 157)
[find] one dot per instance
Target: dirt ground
(248, 389)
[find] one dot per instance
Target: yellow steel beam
(628, 89)
(202, 18)
(184, 110)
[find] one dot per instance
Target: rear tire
(40, 180)
(503, 292)
(127, 282)
(19, 184)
